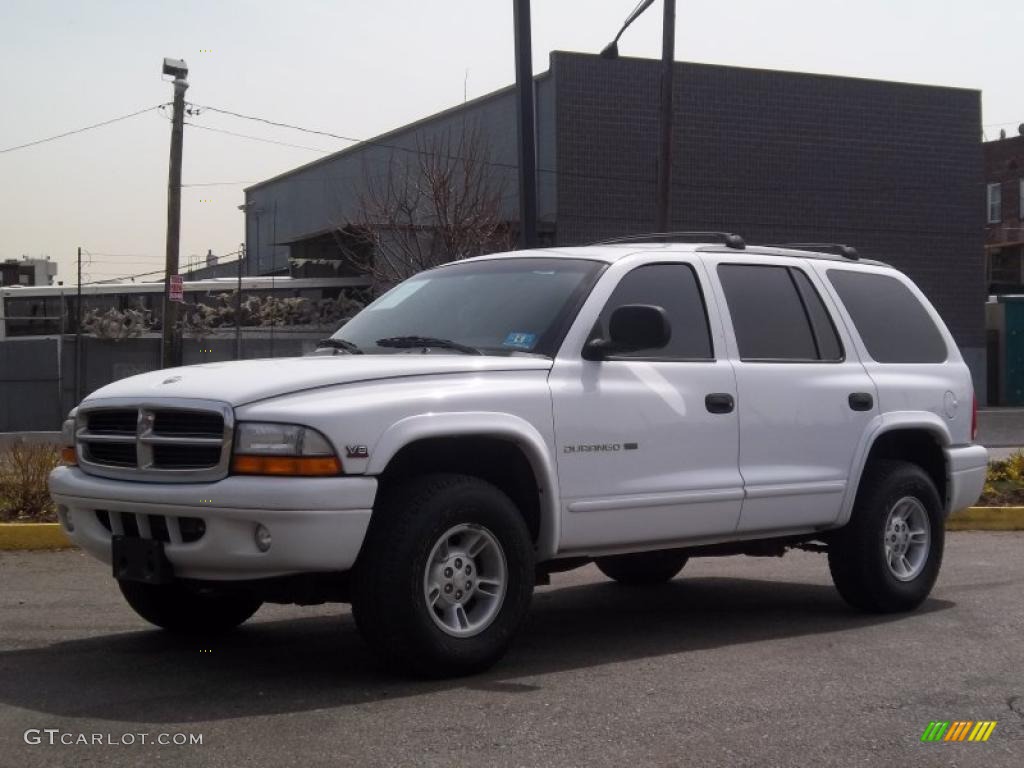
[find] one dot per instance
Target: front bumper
(967, 465)
(316, 524)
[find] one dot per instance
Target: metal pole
(256, 274)
(527, 126)
(273, 269)
(238, 305)
(668, 45)
(78, 333)
(61, 412)
(171, 352)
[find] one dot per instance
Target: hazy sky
(361, 68)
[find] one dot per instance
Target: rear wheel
(178, 609)
(887, 558)
(643, 568)
(445, 576)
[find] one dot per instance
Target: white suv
(492, 421)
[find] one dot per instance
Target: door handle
(861, 401)
(719, 402)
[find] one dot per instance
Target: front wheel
(178, 609)
(887, 558)
(445, 576)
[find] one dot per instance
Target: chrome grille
(121, 421)
(173, 441)
(114, 454)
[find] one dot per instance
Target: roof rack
(726, 238)
(846, 251)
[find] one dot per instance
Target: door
(647, 443)
(805, 400)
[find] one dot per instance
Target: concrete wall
(892, 168)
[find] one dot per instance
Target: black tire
(857, 553)
(643, 568)
(388, 589)
(179, 609)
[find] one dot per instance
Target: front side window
(674, 288)
(894, 325)
(995, 203)
(499, 306)
(777, 315)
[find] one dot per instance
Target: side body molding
(483, 423)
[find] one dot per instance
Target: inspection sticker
(520, 340)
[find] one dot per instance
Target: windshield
(499, 306)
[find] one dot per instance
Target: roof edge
(476, 101)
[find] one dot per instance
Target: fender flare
(889, 422)
(486, 424)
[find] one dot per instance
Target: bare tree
(441, 202)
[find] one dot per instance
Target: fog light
(262, 538)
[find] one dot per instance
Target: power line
(353, 140)
(146, 274)
(279, 124)
(564, 174)
(219, 183)
(121, 255)
(79, 130)
(255, 138)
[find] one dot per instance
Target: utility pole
(238, 304)
(78, 333)
(171, 349)
(668, 46)
(527, 126)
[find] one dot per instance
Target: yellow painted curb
(987, 519)
(33, 536)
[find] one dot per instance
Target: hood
(245, 381)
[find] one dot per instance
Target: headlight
(67, 440)
(282, 449)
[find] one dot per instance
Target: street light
(611, 51)
(668, 55)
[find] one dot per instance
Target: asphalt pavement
(738, 662)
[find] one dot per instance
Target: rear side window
(674, 288)
(777, 314)
(895, 326)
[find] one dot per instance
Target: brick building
(1004, 211)
(893, 168)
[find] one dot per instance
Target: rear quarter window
(894, 325)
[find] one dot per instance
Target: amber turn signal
(298, 466)
(68, 456)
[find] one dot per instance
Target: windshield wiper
(409, 342)
(348, 346)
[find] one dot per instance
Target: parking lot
(739, 661)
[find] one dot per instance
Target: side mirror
(632, 327)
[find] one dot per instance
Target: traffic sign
(177, 289)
